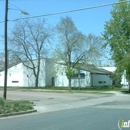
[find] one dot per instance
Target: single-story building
(124, 81)
(89, 76)
(53, 74)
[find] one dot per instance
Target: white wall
(100, 80)
(49, 72)
(29, 78)
(20, 75)
(62, 81)
(15, 76)
(2, 78)
(60, 77)
(82, 82)
(124, 82)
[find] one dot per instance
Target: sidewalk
(83, 103)
(115, 92)
(76, 91)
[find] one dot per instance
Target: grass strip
(10, 106)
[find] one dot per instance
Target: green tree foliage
(117, 36)
(69, 72)
(116, 77)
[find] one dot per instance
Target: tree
(69, 73)
(28, 41)
(73, 46)
(93, 47)
(117, 36)
(116, 77)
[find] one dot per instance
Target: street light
(6, 46)
(23, 12)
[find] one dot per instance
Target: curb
(67, 91)
(18, 113)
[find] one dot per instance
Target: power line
(75, 10)
(17, 8)
(14, 6)
(69, 11)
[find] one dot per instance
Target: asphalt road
(87, 118)
(67, 111)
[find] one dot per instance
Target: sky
(87, 21)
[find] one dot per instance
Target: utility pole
(6, 49)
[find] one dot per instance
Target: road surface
(65, 111)
(87, 118)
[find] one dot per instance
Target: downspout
(91, 79)
(45, 74)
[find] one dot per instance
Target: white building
(90, 76)
(124, 81)
(19, 75)
(52, 74)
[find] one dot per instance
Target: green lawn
(74, 89)
(103, 88)
(10, 106)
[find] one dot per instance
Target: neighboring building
(89, 76)
(124, 81)
(53, 74)
(77, 80)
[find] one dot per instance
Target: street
(88, 118)
(66, 111)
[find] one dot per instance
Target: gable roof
(89, 67)
(93, 69)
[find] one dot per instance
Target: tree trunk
(36, 82)
(37, 75)
(69, 84)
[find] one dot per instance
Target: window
(81, 75)
(100, 82)
(15, 81)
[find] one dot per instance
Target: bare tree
(73, 46)
(28, 41)
(93, 47)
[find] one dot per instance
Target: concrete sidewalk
(85, 103)
(114, 92)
